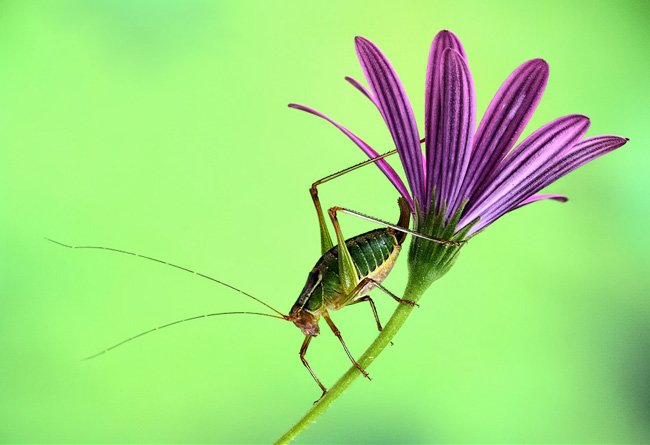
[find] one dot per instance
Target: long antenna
(172, 265)
(157, 328)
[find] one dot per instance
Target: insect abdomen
(371, 252)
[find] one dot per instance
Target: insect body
(344, 274)
(372, 256)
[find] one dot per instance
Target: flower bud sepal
(428, 260)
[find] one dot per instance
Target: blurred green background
(161, 127)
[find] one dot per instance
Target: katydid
(344, 274)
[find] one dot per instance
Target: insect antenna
(157, 328)
(185, 269)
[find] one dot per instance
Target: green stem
(413, 292)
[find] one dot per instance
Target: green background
(161, 127)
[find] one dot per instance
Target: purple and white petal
(396, 111)
(432, 115)
(521, 164)
(503, 122)
(391, 174)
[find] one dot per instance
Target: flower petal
(523, 163)
(503, 122)
(434, 159)
(355, 83)
(392, 176)
(452, 130)
(572, 158)
(396, 111)
(535, 198)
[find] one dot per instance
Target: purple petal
(442, 41)
(359, 86)
(452, 130)
(392, 176)
(503, 122)
(535, 198)
(570, 159)
(396, 111)
(509, 186)
(355, 83)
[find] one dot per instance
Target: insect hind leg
(334, 210)
(325, 238)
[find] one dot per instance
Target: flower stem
(412, 292)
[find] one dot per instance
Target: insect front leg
(336, 332)
(303, 351)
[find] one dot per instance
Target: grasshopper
(344, 274)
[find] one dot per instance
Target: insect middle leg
(336, 332)
(351, 298)
(374, 310)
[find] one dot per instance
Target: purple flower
(467, 178)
